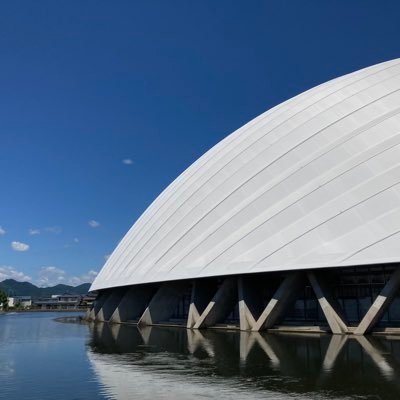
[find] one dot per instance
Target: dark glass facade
(354, 288)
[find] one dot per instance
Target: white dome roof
(313, 182)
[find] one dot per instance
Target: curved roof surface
(313, 182)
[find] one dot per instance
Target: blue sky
(86, 85)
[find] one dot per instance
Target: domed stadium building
(291, 221)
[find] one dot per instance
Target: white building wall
(313, 182)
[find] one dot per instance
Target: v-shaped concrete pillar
(202, 292)
(132, 305)
(163, 303)
(281, 301)
(220, 306)
(110, 304)
(98, 303)
(329, 305)
(249, 301)
(380, 305)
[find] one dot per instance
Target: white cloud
(2, 231)
(12, 273)
(34, 232)
(85, 278)
(50, 276)
(74, 242)
(94, 224)
(18, 246)
(127, 161)
(53, 229)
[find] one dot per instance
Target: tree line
(3, 300)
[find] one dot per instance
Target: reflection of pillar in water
(371, 347)
(115, 328)
(248, 340)
(335, 346)
(196, 340)
(145, 332)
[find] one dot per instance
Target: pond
(56, 356)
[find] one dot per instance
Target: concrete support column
(97, 304)
(283, 298)
(132, 304)
(220, 306)
(163, 303)
(202, 293)
(380, 305)
(249, 294)
(110, 304)
(329, 305)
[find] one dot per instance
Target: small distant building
(59, 301)
(67, 298)
(88, 299)
(20, 301)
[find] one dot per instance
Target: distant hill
(15, 288)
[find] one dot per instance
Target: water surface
(45, 357)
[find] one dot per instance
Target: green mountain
(15, 288)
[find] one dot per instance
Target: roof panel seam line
(370, 245)
(327, 220)
(302, 198)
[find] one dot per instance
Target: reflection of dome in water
(162, 363)
(312, 183)
(122, 379)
